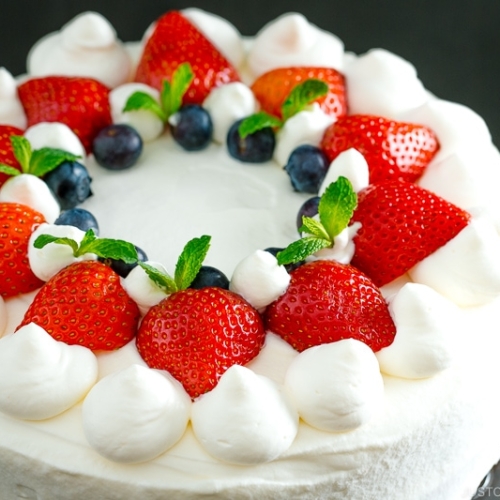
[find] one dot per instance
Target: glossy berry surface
(70, 183)
(307, 167)
(120, 267)
(191, 127)
(210, 276)
(254, 148)
(80, 218)
(308, 209)
(117, 147)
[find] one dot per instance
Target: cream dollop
(246, 419)
(41, 377)
(11, 109)
(336, 387)
(290, 40)
(86, 46)
(343, 246)
(135, 414)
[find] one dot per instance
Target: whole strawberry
(327, 301)
(393, 150)
(7, 156)
(174, 41)
(17, 223)
(80, 103)
(401, 224)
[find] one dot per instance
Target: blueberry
(289, 267)
(307, 167)
(119, 267)
(117, 147)
(309, 209)
(191, 127)
(210, 276)
(254, 148)
(70, 183)
(78, 217)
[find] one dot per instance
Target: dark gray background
(455, 45)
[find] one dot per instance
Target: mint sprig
(335, 210)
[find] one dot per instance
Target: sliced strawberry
(327, 301)
(401, 224)
(17, 222)
(80, 103)
(174, 41)
(272, 88)
(393, 150)
(85, 304)
(198, 334)
(6, 152)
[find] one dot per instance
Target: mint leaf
(302, 95)
(142, 100)
(22, 151)
(5, 169)
(45, 239)
(301, 249)
(258, 121)
(181, 80)
(190, 261)
(162, 280)
(314, 227)
(45, 160)
(336, 206)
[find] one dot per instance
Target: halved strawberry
(272, 88)
(7, 156)
(393, 150)
(174, 41)
(401, 224)
(327, 301)
(81, 103)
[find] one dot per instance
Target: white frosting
(382, 83)
(246, 419)
(40, 377)
(343, 246)
(148, 125)
(259, 279)
(226, 105)
(33, 192)
(306, 127)
(336, 387)
(86, 46)
(135, 414)
(290, 40)
(46, 262)
(428, 326)
(11, 109)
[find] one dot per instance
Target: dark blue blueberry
(307, 167)
(117, 147)
(289, 267)
(254, 148)
(78, 217)
(119, 267)
(70, 183)
(309, 209)
(191, 127)
(210, 276)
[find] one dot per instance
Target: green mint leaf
(336, 206)
(142, 100)
(162, 280)
(313, 227)
(300, 249)
(22, 151)
(45, 239)
(107, 248)
(45, 160)
(302, 95)
(5, 169)
(258, 121)
(181, 80)
(190, 261)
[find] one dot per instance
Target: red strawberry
(174, 41)
(17, 222)
(272, 88)
(327, 301)
(6, 152)
(197, 334)
(402, 224)
(85, 304)
(393, 150)
(80, 103)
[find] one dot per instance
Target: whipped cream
(86, 46)
(40, 377)
(343, 246)
(336, 387)
(11, 109)
(291, 40)
(135, 414)
(246, 419)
